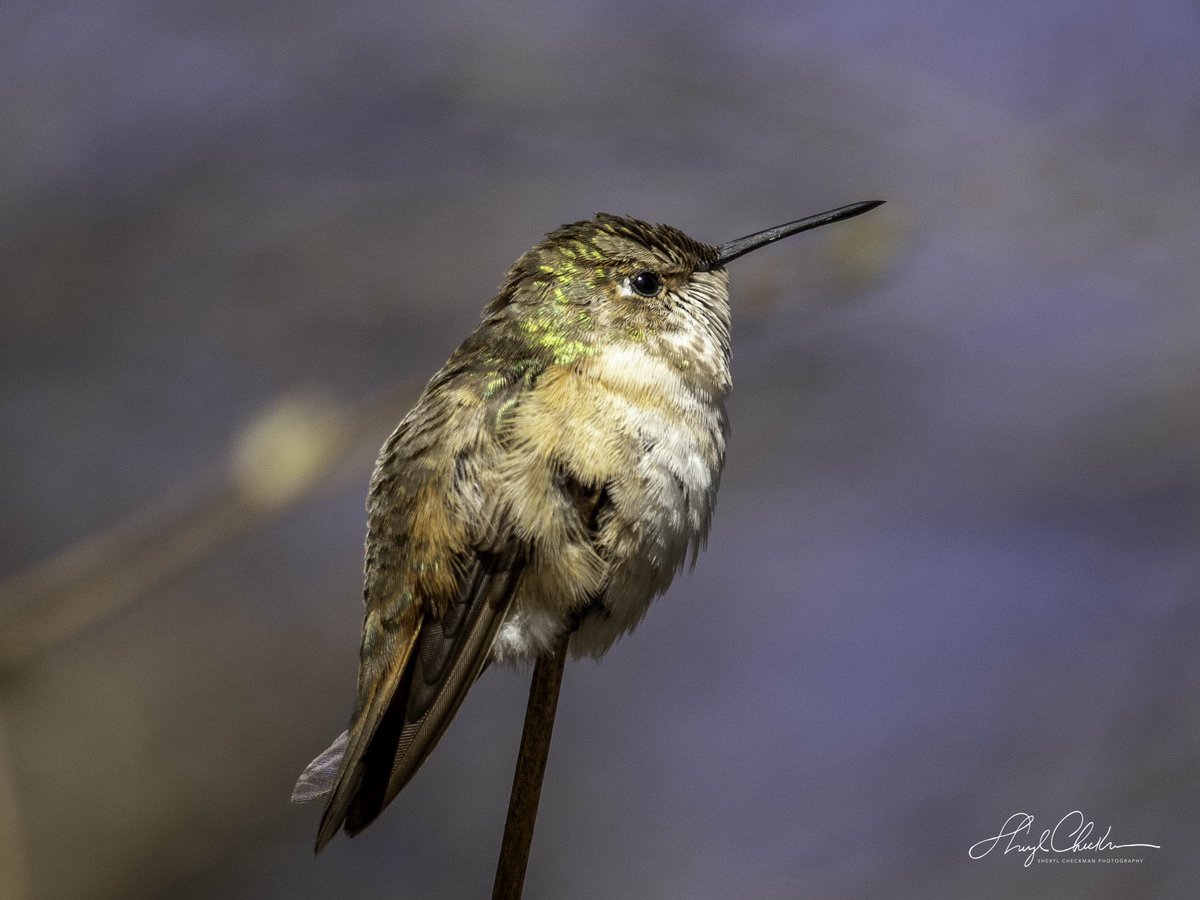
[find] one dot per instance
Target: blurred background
(954, 566)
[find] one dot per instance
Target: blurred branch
(297, 445)
(14, 873)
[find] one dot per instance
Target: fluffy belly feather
(660, 483)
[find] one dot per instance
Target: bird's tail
(318, 778)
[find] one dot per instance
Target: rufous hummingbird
(552, 478)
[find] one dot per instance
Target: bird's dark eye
(648, 284)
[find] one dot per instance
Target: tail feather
(318, 778)
(409, 707)
(447, 660)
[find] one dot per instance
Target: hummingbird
(551, 480)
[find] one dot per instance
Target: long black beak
(744, 245)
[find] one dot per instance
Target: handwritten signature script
(1073, 834)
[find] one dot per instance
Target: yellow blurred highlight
(286, 449)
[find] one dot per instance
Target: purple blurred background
(954, 567)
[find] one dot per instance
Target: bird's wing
(448, 656)
(438, 586)
(342, 775)
(409, 706)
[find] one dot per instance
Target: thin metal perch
(531, 767)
